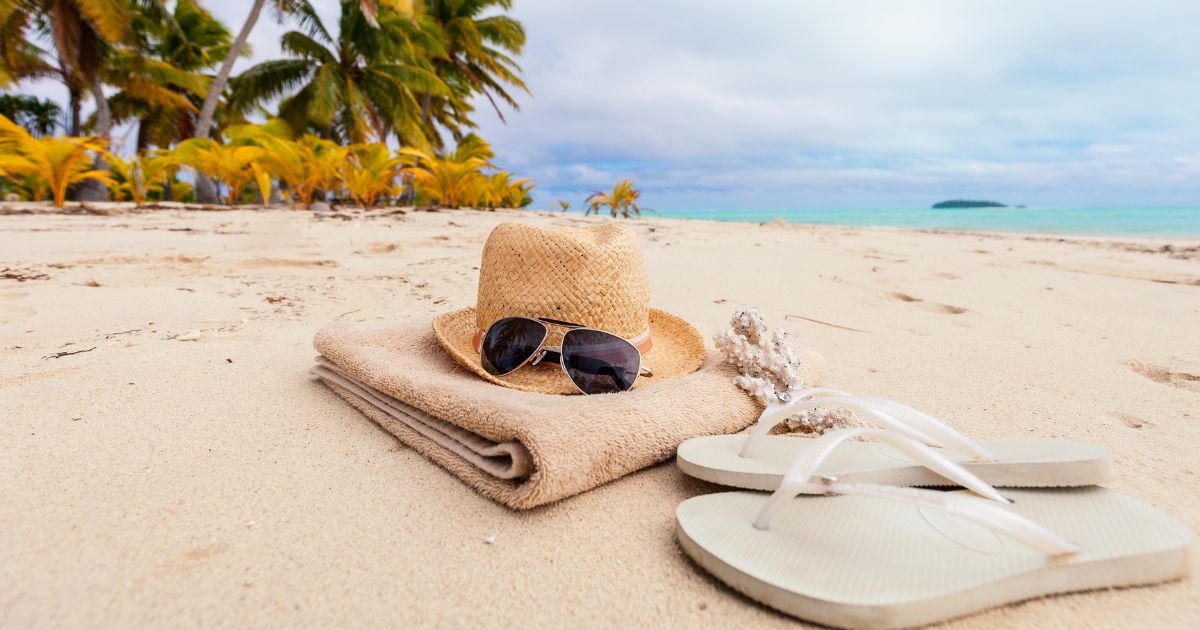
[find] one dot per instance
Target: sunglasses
(597, 362)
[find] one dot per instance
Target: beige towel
(522, 449)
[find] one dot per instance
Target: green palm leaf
(268, 80)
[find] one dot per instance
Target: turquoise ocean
(1164, 222)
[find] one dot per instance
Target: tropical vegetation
(374, 108)
(48, 165)
(620, 201)
(137, 178)
(39, 116)
(377, 107)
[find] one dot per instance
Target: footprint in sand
(186, 259)
(1158, 374)
(1130, 420)
(377, 249)
(929, 306)
(110, 260)
(260, 263)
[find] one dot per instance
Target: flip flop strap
(988, 513)
(804, 467)
(898, 417)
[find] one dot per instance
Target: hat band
(642, 341)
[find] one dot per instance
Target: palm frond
(110, 18)
(268, 80)
(304, 46)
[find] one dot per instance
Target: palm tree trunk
(143, 138)
(204, 188)
(408, 194)
(92, 190)
(74, 97)
(103, 113)
(74, 125)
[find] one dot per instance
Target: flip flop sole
(1023, 462)
(861, 562)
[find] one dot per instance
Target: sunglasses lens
(598, 362)
(509, 343)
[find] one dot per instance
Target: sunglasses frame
(540, 352)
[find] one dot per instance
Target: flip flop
(757, 461)
(893, 557)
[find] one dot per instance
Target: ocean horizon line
(1112, 221)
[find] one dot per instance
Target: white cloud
(785, 103)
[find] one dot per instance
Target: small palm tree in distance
(621, 201)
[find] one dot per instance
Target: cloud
(794, 104)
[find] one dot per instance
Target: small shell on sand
(191, 335)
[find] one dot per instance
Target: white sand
(153, 481)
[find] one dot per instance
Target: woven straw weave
(594, 277)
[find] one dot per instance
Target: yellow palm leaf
(263, 179)
(369, 172)
(56, 162)
(110, 18)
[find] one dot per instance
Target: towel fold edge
(504, 460)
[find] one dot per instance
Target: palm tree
(39, 117)
(82, 31)
(621, 201)
(52, 162)
(357, 87)
(370, 172)
(448, 182)
(454, 178)
(480, 50)
(139, 175)
(161, 81)
(156, 93)
(501, 191)
(233, 165)
(204, 122)
(305, 165)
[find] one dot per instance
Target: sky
(787, 104)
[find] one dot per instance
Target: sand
(150, 480)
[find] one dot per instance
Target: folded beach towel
(522, 449)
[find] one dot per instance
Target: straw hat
(594, 277)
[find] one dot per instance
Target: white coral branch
(770, 367)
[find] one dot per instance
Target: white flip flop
(757, 461)
(892, 557)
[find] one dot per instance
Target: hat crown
(593, 276)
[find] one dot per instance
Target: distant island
(967, 203)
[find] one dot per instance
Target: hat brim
(677, 350)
